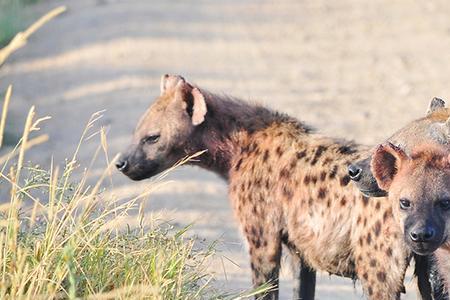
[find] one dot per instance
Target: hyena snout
(136, 166)
(354, 172)
(361, 175)
(423, 238)
(422, 235)
(122, 164)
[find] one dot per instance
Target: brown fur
(287, 185)
(423, 178)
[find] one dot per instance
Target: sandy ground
(352, 69)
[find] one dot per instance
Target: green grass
(71, 242)
(13, 18)
(67, 244)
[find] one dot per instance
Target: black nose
(422, 235)
(354, 172)
(122, 165)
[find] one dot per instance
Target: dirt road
(352, 69)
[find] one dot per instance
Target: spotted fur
(287, 185)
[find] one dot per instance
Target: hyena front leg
(265, 254)
(304, 278)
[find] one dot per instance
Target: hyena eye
(444, 204)
(405, 204)
(150, 139)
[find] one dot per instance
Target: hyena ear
(435, 104)
(199, 108)
(193, 101)
(169, 82)
(385, 164)
(440, 132)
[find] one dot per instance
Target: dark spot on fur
(279, 151)
(333, 172)
(344, 201)
(284, 173)
(258, 182)
(327, 161)
(365, 200)
(314, 179)
(323, 175)
(266, 155)
(358, 221)
(346, 149)
(361, 241)
(377, 228)
(389, 252)
(369, 239)
(322, 193)
(370, 291)
(301, 154)
(306, 180)
(320, 149)
(238, 165)
(287, 192)
(293, 163)
(365, 276)
(345, 180)
(381, 276)
(267, 184)
(378, 205)
(387, 214)
(373, 263)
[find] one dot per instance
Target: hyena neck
(228, 124)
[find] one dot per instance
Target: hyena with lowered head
(287, 185)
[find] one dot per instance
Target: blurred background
(352, 69)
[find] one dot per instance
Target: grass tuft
(60, 239)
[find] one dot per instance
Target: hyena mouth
(141, 172)
(425, 248)
(374, 193)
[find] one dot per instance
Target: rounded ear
(440, 132)
(194, 101)
(169, 82)
(199, 108)
(435, 104)
(385, 164)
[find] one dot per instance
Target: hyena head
(419, 186)
(163, 132)
(416, 132)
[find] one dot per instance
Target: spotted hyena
(429, 129)
(419, 186)
(287, 184)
